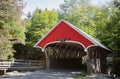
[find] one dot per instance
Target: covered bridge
(65, 45)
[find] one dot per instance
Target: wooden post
(90, 62)
(47, 61)
(2, 71)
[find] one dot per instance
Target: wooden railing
(21, 64)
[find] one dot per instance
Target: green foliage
(109, 35)
(17, 33)
(5, 44)
(26, 52)
(111, 31)
(11, 31)
(82, 76)
(41, 22)
(84, 15)
(37, 25)
(10, 10)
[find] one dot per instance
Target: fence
(20, 65)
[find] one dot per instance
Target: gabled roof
(65, 30)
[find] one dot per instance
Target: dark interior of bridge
(67, 64)
(66, 56)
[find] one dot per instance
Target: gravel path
(42, 74)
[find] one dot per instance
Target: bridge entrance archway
(64, 55)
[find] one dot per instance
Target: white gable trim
(43, 49)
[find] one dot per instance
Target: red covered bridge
(65, 45)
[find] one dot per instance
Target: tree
(11, 31)
(41, 22)
(109, 35)
(37, 26)
(110, 32)
(84, 15)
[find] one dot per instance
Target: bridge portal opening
(65, 55)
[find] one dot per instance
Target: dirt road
(42, 74)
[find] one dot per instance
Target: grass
(82, 76)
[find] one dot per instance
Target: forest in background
(18, 36)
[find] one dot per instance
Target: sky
(31, 5)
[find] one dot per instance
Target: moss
(82, 76)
